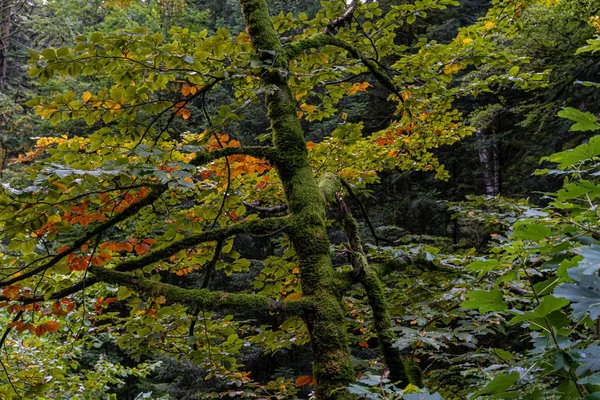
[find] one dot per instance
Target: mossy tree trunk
(332, 366)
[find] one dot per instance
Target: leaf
(483, 265)
(500, 384)
(86, 97)
(584, 121)
(590, 264)
(584, 295)
(485, 301)
(531, 230)
(583, 152)
(588, 358)
(424, 395)
(52, 326)
(548, 305)
(305, 380)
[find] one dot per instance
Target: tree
(141, 205)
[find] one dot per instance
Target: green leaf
(584, 295)
(500, 384)
(588, 358)
(485, 301)
(531, 230)
(548, 305)
(584, 121)
(584, 152)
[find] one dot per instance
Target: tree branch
(262, 152)
(133, 209)
(257, 226)
(202, 298)
(323, 39)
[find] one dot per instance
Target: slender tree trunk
(4, 40)
(332, 365)
(490, 163)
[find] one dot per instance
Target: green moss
(333, 368)
(329, 184)
(251, 227)
(379, 305)
(202, 298)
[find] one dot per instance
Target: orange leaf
(11, 292)
(63, 249)
(141, 248)
(305, 380)
(52, 326)
(186, 89)
(40, 330)
(363, 344)
(311, 145)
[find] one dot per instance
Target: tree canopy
(274, 199)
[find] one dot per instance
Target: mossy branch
(324, 39)
(157, 191)
(253, 227)
(202, 298)
(369, 279)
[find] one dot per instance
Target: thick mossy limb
(375, 290)
(333, 369)
(157, 191)
(324, 39)
(202, 298)
(254, 227)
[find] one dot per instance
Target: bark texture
(332, 366)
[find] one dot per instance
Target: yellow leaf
(344, 116)
(308, 108)
(467, 40)
(301, 94)
(293, 296)
(359, 87)
(489, 25)
(86, 97)
(299, 114)
(59, 185)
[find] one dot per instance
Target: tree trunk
(490, 162)
(5, 10)
(332, 365)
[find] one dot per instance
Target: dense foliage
(299, 199)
